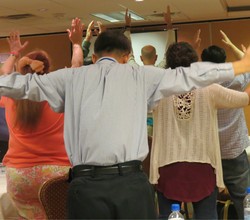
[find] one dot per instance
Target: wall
(141, 39)
(58, 46)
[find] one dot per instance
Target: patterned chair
(53, 195)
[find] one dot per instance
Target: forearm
(237, 52)
(248, 93)
(8, 65)
(77, 56)
(47, 87)
(241, 66)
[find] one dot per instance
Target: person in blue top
(233, 131)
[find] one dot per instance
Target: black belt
(120, 168)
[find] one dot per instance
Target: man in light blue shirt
(105, 131)
(233, 134)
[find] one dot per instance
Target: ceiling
(51, 16)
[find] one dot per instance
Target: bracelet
(14, 53)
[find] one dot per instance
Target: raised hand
(225, 39)
(127, 18)
(101, 28)
(237, 52)
(167, 18)
(75, 33)
(89, 33)
(16, 47)
(197, 40)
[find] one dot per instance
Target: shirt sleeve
(48, 87)
(244, 80)
(183, 79)
(85, 48)
(227, 98)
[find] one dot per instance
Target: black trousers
(112, 196)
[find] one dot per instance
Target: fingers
(244, 49)
(91, 26)
(25, 44)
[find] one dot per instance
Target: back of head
(112, 41)
(28, 113)
(148, 55)
(214, 54)
(180, 54)
(39, 55)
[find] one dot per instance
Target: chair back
(53, 196)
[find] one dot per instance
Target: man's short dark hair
(180, 54)
(112, 41)
(214, 54)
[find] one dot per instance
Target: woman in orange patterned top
(36, 146)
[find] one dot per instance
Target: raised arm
(243, 65)
(127, 33)
(236, 51)
(16, 47)
(170, 35)
(75, 36)
(87, 41)
(197, 40)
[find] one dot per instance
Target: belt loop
(120, 169)
(93, 171)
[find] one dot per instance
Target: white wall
(157, 39)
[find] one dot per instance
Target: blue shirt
(233, 130)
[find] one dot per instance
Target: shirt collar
(106, 59)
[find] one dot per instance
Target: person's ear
(156, 56)
(125, 58)
(94, 58)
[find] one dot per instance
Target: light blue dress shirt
(233, 131)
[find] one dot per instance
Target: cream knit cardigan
(195, 139)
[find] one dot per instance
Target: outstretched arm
(237, 52)
(16, 47)
(243, 65)
(170, 35)
(75, 36)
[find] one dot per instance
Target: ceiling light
(105, 17)
(139, 0)
(117, 16)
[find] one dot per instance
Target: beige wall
(57, 46)
(238, 31)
